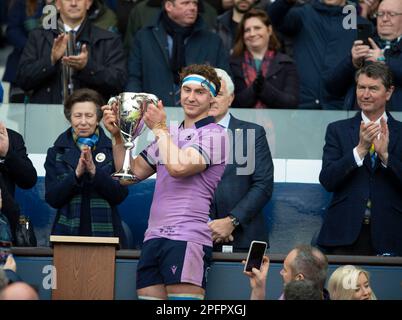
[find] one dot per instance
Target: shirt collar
(367, 120)
(68, 28)
(201, 123)
(224, 122)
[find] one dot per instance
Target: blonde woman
(350, 283)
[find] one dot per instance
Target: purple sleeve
(151, 154)
(212, 143)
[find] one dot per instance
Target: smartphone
(4, 251)
(364, 31)
(255, 255)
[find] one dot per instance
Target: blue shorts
(165, 261)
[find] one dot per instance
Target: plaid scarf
(250, 70)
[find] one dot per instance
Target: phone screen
(364, 31)
(4, 251)
(255, 255)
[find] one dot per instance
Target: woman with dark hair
(263, 77)
(78, 173)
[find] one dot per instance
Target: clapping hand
(258, 83)
(85, 163)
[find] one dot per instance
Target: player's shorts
(165, 261)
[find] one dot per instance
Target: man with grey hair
(385, 46)
(237, 207)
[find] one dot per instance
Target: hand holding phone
(255, 255)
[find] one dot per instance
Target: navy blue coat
(245, 195)
(352, 186)
(320, 43)
(59, 192)
(342, 80)
(149, 65)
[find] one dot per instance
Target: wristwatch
(234, 220)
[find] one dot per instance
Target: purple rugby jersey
(180, 206)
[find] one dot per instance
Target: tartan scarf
(250, 70)
(69, 217)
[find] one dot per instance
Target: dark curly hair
(204, 70)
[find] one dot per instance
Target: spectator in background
(102, 16)
(350, 283)
(23, 17)
(15, 166)
(177, 39)
(146, 12)
(263, 77)
(302, 263)
(385, 47)
(320, 43)
(302, 290)
(78, 178)
(228, 22)
(15, 169)
(368, 8)
(362, 166)
(245, 188)
(51, 69)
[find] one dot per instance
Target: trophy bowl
(131, 109)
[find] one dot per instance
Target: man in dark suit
(15, 169)
(247, 183)
(362, 166)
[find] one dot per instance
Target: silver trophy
(131, 109)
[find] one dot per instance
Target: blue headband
(197, 79)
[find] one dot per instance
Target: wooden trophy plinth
(85, 267)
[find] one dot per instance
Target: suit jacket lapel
(393, 132)
(355, 129)
(355, 137)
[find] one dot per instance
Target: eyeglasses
(391, 14)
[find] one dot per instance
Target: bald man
(19, 291)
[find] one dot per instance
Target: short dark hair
(311, 263)
(377, 70)
(204, 70)
(302, 290)
(84, 95)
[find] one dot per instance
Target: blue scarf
(90, 141)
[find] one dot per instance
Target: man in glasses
(385, 47)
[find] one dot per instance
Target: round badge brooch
(100, 157)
